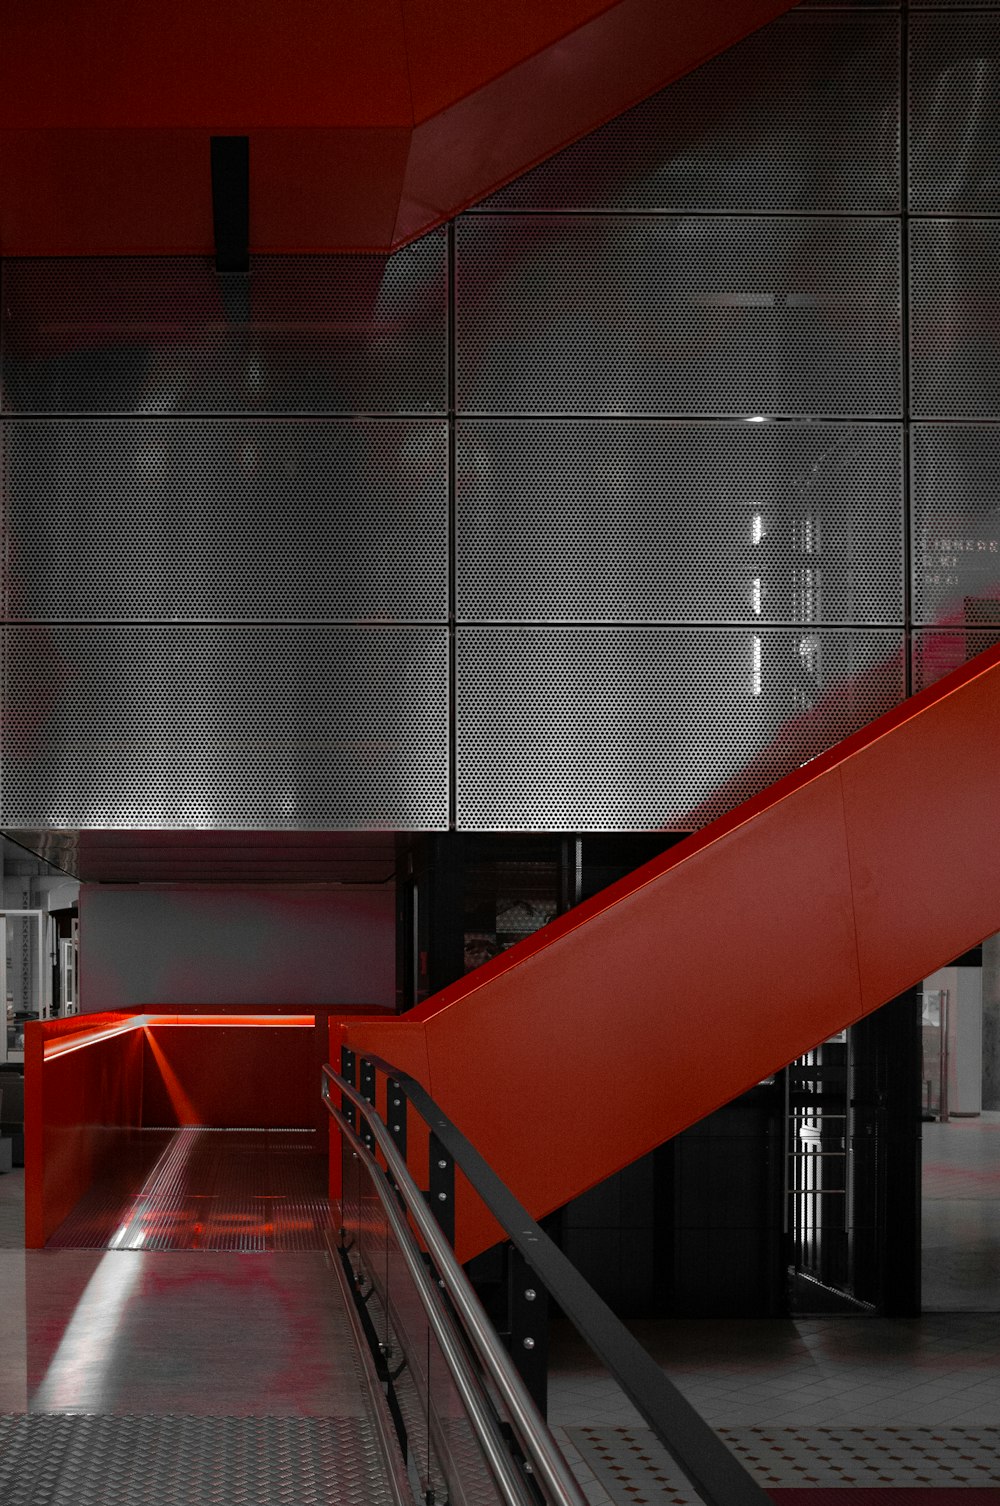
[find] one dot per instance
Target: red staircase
(698, 975)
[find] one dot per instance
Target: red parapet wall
(81, 1099)
(92, 1081)
(683, 985)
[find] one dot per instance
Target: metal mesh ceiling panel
(126, 726)
(954, 332)
(717, 316)
(803, 114)
(161, 335)
(634, 729)
(954, 113)
(131, 519)
(582, 521)
(937, 651)
(956, 518)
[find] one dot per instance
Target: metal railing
(524, 1459)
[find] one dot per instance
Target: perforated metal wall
(937, 651)
(954, 330)
(656, 600)
(956, 519)
(803, 114)
(954, 72)
(659, 315)
(673, 522)
(239, 519)
(681, 725)
(164, 335)
(235, 726)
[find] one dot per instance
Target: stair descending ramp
(683, 985)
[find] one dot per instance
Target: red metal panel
(106, 109)
(229, 1076)
(78, 1107)
(687, 982)
(542, 80)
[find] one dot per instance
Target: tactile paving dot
(634, 1467)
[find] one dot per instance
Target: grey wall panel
(956, 520)
(802, 115)
(152, 335)
(937, 651)
(678, 316)
(589, 521)
(231, 944)
(954, 73)
(131, 519)
(954, 326)
(655, 728)
(132, 726)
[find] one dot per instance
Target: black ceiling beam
(231, 221)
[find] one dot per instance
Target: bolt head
(442, 1197)
(530, 1294)
(442, 1165)
(529, 1343)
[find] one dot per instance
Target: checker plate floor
(63, 1460)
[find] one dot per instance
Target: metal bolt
(396, 1129)
(528, 1470)
(529, 1343)
(395, 1103)
(443, 1165)
(442, 1197)
(530, 1294)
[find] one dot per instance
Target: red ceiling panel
(368, 125)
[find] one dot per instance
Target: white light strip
(63, 1045)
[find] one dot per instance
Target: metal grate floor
(231, 1190)
(66, 1460)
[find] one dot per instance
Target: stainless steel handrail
(715, 1473)
(543, 1452)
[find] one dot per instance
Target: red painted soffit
(368, 123)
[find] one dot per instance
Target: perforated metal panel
(133, 726)
(954, 331)
(159, 335)
(956, 518)
(660, 522)
(803, 114)
(131, 519)
(937, 651)
(654, 728)
(715, 316)
(954, 73)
